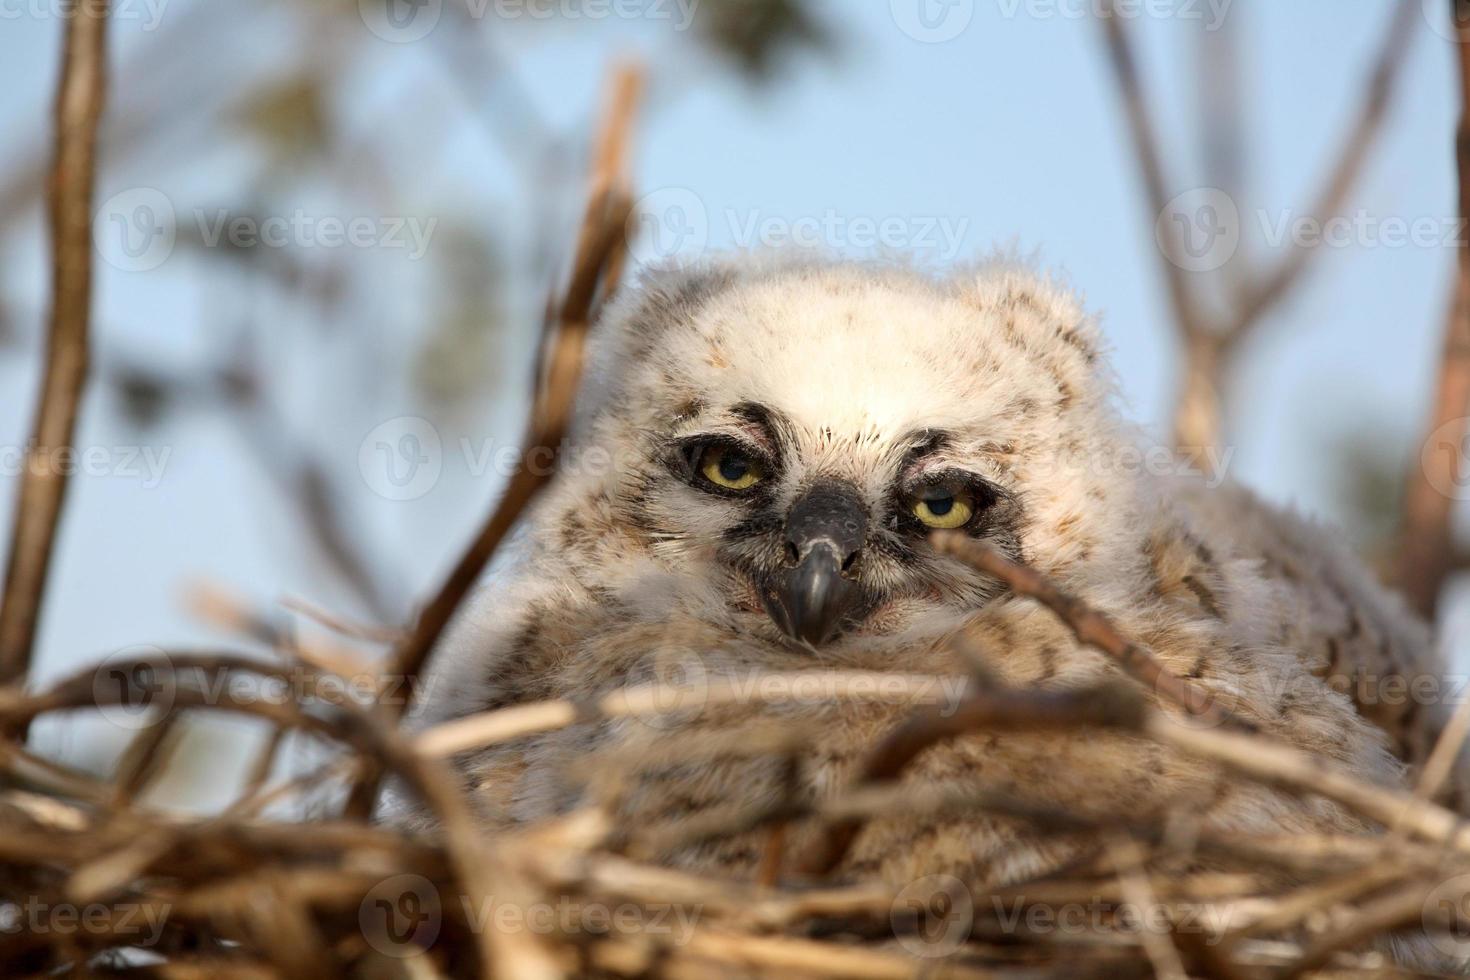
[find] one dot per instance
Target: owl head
(785, 438)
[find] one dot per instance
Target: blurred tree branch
(82, 90)
(1212, 343)
(1426, 555)
(296, 114)
(593, 278)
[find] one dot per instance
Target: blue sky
(1008, 135)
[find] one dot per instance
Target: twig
(1108, 707)
(1258, 757)
(1293, 908)
(1150, 161)
(1398, 908)
(1425, 549)
(1128, 861)
(1281, 765)
(1445, 756)
(365, 732)
(814, 959)
(496, 727)
(340, 624)
(602, 232)
(145, 758)
(43, 487)
(602, 229)
(1087, 624)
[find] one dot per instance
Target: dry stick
(804, 957)
(603, 229)
(1276, 764)
(1445, 756)
(1087, 624)
(43, 486)
(1401, 907)
(531, 476)
(1106, 707)
(1296, 852)
(25, 769)
(1197, 421)
(1253, 756)
(1295, 907)
(1129, 863)
(1443, 761)
(370, 735)
(1218, 71)
(256, 801)
(1260, 758)
(603, 226)
(644, 700)
(340, 624)
(1425, 552)
(260, 771)
(146, 757)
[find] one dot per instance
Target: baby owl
(776, 442)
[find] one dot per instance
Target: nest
(97, 881)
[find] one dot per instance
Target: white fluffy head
(877, 378)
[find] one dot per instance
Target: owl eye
(729, 468)
(945, 509)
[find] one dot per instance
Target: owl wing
(1358, 636)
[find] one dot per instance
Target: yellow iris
(945, 512)
(729, 469)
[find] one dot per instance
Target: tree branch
(1087, 624)
(43, 486)
(1187, 314)
(1210, 342)
(602, 233)
(593, 278)
(1425, 551)
(1258, 298)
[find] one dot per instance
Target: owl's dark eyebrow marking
(921, 443)
(772, 423)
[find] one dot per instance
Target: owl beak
(825, 531)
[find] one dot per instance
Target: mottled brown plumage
(876, 381)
